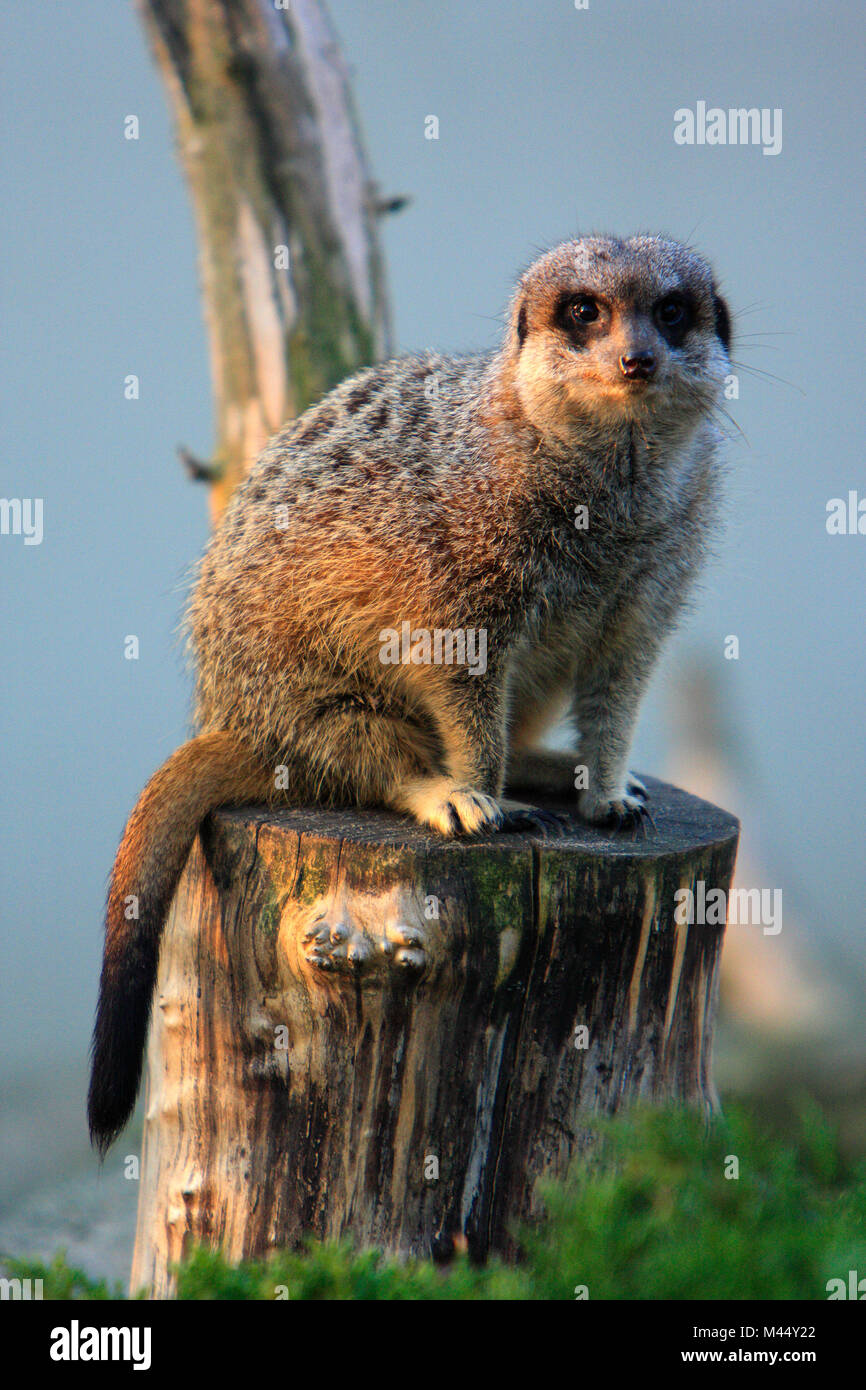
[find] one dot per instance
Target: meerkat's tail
(211, 770)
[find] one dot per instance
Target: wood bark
(359, 1029)
(285, 207)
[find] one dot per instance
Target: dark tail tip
(119, 1036)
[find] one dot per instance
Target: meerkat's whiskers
(760, 373)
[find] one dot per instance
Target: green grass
(60, 1280)
(652, 1215)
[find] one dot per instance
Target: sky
(553, 121)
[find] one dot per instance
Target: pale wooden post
(286, 212)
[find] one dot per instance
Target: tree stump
(360, 1029)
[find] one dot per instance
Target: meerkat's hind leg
(357, 748)
(463, 796)
(466, 799)
(351, 747)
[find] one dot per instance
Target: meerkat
(556, 495)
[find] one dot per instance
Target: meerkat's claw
(532, 820)
(629, 813)
(474, 812)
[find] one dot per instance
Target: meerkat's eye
(674, 316)
(584, 309)
(671, 312)
(574, 313)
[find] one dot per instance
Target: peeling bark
(320, 1038)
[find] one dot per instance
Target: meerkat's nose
(639, 367)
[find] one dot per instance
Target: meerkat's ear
(522, 326)
(723, 321)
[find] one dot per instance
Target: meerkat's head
(617, 331)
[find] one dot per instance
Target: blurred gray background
(553, 121)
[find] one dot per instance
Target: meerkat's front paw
(616, 813)
(452, 809)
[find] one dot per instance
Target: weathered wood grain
(286, 211)
(328, 1056)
